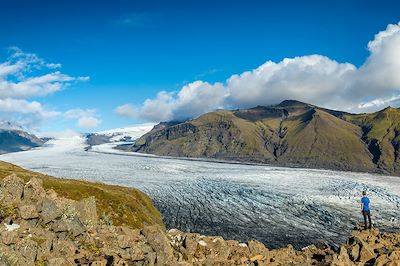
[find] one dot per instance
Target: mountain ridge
(291, 133)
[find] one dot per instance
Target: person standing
(365, 210)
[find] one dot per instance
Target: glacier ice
(275, 205)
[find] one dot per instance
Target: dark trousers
(367, 214)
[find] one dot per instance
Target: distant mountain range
(124, 134)
(14, 137)
(291, 133)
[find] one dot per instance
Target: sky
(94, 65)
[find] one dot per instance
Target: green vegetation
(291, 133)
(123, 205)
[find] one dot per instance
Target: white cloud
(20, 80)
(315, 79)
(379, 103)
(312, 78)
(85, 118)
(29, 114)
(192, 100)
(88, 122)
(16, 78)
(127, 110)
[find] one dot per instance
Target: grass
(125, 206)
(305, 135)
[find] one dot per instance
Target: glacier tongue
(273, 204)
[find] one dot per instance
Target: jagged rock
(4, 261)
(190, 245)
(395, 255)
(159, 242)
(9, 237)
(51, 194)
(49, 211)
(237, 250)
(381, 260)
(366, 253)
(86, 210)
(342, 259)
(28, 250)
(28, 211)
(257, 248)
(355, 252)
(59, 262)
(102, 262)
(33, 190)
(73, 226)
(128, 237)
(11, 190)
(66, 248)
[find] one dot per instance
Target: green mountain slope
(291, 133)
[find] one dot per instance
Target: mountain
(291, 133)
(124, 134)
(15, 138)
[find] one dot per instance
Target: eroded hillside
(290, 134)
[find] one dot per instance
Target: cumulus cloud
(87, 118)
(379, 103)
(26, 113)
(316, 79)
(88, 122)
(127, 110)
(192, 100)
(312, 78)
(24, 76)
(16, 80)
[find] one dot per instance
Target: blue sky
(132, 50)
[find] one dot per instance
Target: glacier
(275, 205)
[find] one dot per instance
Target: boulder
(49, 211)
(72, 227)
(28, 211)
(33, 190)
(158, 240)
(4, 261)
(342, 259)
(190, 245)
(355, 252)
(11, 190)
(59, 262)
(66, 248)
(87, 211)
(366, 253)
(102, 262)
(257, 248)
(394, 255)
(9, 237)
(382, 260)
(28, 249)
(127, 237)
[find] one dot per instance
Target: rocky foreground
(41, 228)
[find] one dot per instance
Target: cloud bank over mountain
(315, 79)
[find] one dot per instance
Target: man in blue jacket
(365, 210)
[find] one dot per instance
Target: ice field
(275, 205)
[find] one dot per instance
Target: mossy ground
(125, 206)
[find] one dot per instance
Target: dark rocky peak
(293, 103)
(261, 112)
